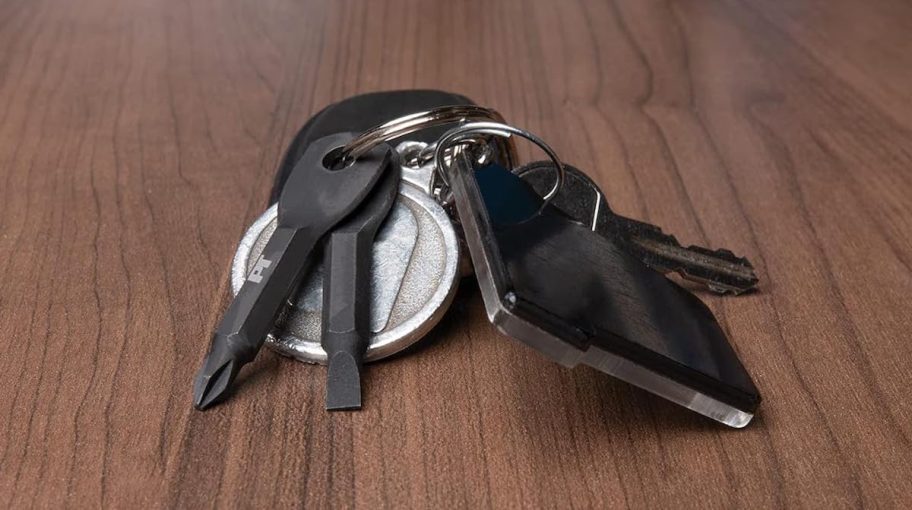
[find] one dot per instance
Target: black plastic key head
(315, 198)
(319, 188)
(360, 113)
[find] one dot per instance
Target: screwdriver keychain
(313, 200)
(346, 294)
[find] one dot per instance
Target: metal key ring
(465, 131)
(415, 122)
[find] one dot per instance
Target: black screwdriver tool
(347, 294)
(315, 198)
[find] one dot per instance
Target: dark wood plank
(137, 141)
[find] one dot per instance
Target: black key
(719, 270)
(314, 199)
(578, 297)
(347, 294)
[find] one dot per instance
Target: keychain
(558, 270)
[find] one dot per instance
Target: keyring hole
(335, 159)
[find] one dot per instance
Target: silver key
(719, 270)
(415, 273)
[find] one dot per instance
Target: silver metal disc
(414, 275)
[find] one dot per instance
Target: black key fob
(550, 282)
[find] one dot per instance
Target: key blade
(580, 198)
(720, 270)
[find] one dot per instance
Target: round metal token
(414, 275)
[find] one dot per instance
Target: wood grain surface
(138, 139)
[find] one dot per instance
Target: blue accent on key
(508, 199)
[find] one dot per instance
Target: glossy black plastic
(584, 289)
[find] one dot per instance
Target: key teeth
(742, 286)
(725, 290)
(723, 253)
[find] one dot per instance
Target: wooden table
(138, 139)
